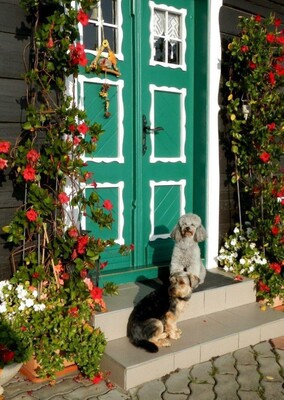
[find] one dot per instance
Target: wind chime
(107, 65)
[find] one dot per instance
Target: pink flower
(29, 173)
(31, 215)
(5, 147)
(76, 140)
(63, 198)
(82, 17)
(265, 157)
(107, 205)
(83, 128)
(50, 43)
(32, 156)
(88, 282)
(3, 163)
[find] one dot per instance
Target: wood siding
(13, 40)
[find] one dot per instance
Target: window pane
(110, 35)
(109, 11)
(174, 52)
(159, 23)
(174, 26)
(159, 45)
(90, 34)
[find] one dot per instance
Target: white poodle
(186, 253)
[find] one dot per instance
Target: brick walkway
(253, 373)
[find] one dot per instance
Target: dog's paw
(164, 343)
(176, 334)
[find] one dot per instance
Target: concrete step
(219, 292)
(203, 337)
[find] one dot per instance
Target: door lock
(147, 130)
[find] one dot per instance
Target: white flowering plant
(243, 255)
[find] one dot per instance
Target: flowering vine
(46, 163)
(254, 107)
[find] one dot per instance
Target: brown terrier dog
(153, 320)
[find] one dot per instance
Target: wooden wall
(13, 39)
(228, 19)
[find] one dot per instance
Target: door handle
(147, 130)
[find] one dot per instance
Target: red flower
(32, 156)
(274, 230)
(270, 37)
(76, 140)
(265, 157)
(107, 205)
(72, 128)
(252, 65)
(131, 247)
(82, 244)
(78, 55)
(73, 311)
(3, 163)
(29, 173)
(97, 378)
(73, 232)
(96, 293)
(83, 128)
(276, 267)
(262, 287)
(23, 328)
(63, 198)
(6, 355)
(50, 42)
(65, 276)
(83, 273)
(257, 18)
(82, 17)
(271, 78)
(277, 219)
(31, 215)
(35, 275)
(277, 22)
(280, 39)
(94, 184)
(271, 126)
(244, 49)
(5, 147)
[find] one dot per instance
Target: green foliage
(48, 166)
(254, 107)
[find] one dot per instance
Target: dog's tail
(146, 345)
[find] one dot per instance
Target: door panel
(143, 162)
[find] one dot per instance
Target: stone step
(219, 292)
(203, 337)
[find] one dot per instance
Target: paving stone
(269, 370)
(153, 390)
(273, 390)
(245, 356)
(248, 377)
(263, 349)
(113, 395)
(178, 396)
(201, 391)
(280, 358)
(202, 373)
(47, 392)
(226, 387)
(178, 382)
(248, 395)
(225, 364)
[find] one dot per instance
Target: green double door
(144, 160)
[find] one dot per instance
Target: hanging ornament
(105, 64)
(104, 94)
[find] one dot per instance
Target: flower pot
(29, 370)
(7, 373)
(278, 303)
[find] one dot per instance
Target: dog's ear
(194, 280)
(175, 234)
(200, 234)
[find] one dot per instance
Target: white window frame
(182, 14)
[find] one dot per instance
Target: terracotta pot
(277, 303)
(7, 373)
(29, 370)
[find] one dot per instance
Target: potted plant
(54, 290)
(253, 139)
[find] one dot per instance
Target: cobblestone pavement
(253, 373)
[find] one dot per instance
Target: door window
(167, 36)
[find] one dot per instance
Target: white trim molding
(182, 118)
(153, 184)
(213, 172)
(120, 116)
